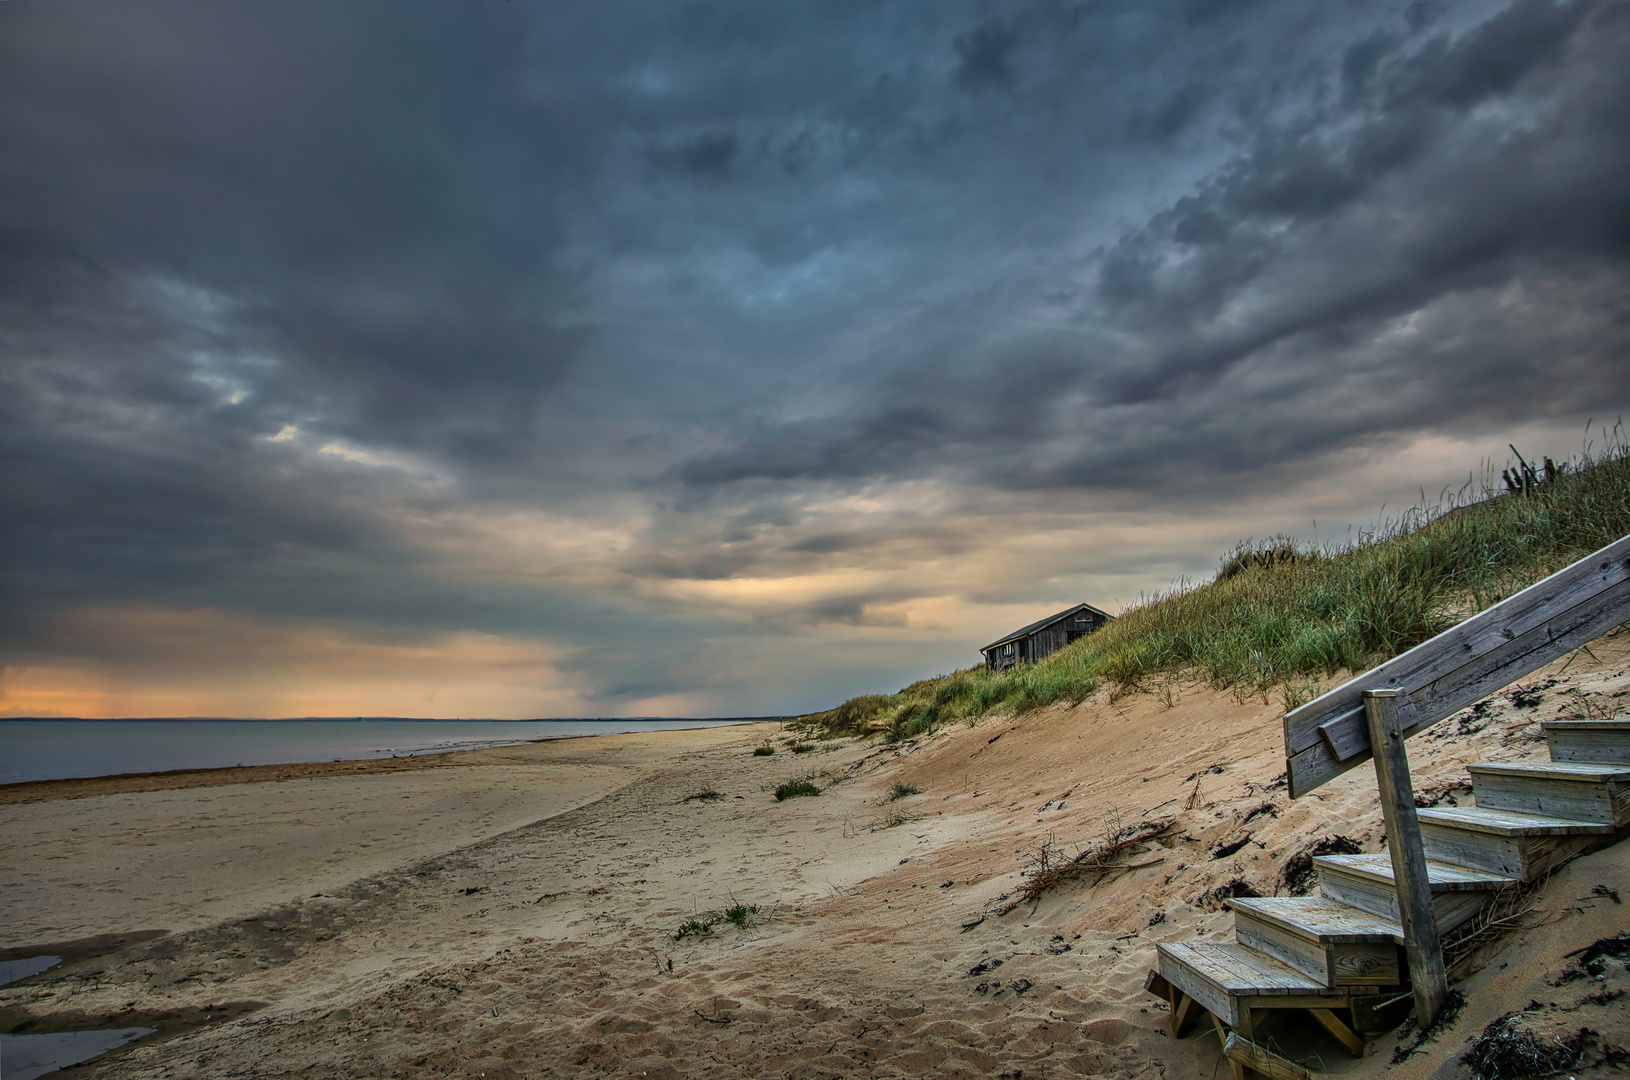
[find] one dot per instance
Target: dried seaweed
(1447, 1015)
(1049, 869)
(1228, 890)
(1298, 876)
(1509, 1050)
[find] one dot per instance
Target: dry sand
(515, 915)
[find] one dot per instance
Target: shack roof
(1042, 624)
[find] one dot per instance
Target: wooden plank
(1306, 956)
(1444, 664)
(1315, 765)
(1344, 1034)
(1333, 999)
(1445, 877)
(1247, 1054)
(1252, 972)
(1332, 963)
(1381, 899)
(1156, 984)
(1246, 1024)
(1509, 822)
(1466, 663)
(1220, 975)
(1577, 771)
(1177, 967)
(1553, 792)
(1345, 737)
(1416, 911)
(1183, 1013)
(1521, 856)
(1484, 632)
(1363, 964)
(1599, 741)
(1319, 919)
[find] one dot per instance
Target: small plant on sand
(701, 926)
(704, 794)
(893, 817)
(763, 751)
(739, 914)
(794, 788)
(900, 791)
(801, 748)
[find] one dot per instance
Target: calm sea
(54, 749)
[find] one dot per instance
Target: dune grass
(792, 789)
(738, 914)
(1281, 615)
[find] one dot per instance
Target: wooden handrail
(1328, 736)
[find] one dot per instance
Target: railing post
(1416, 912)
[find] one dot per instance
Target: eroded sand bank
(515, 915)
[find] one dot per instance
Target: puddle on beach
(12, 970)
(23, 1057)
(35, 1044)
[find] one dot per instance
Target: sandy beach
(513, 912)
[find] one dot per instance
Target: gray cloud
(1322, 233)
(308, 313)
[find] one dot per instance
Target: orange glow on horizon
(213, 663)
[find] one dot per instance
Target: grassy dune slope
(1280, 615)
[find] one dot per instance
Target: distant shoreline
(80, 787)
(53, 749)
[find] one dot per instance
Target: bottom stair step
(1219, 974)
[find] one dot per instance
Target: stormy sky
(523, 359)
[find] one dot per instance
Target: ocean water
(56, 749)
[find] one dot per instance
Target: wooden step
(1576, 790)
(1504, 842)
(1221, 975)
(1336, 944)
(1605, 742)
(1365, 882)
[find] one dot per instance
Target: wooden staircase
(1340, 955)
(1371, 940)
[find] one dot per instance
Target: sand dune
(517, 916)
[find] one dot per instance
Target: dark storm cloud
(983, 56)
(1299, 255)
(221, 221)
(706, 154)
(372, 192)
(288, 294)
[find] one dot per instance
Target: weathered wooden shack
(1044, 637)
